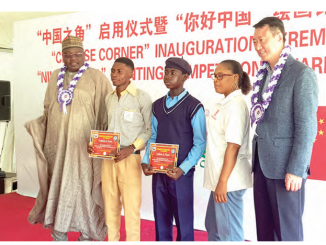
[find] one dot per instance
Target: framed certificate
(163, 156)
(105, 144)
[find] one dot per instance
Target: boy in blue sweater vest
(178, 118)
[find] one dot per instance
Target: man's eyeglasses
(219, 76)
(69, 56)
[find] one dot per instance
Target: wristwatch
(134, 147)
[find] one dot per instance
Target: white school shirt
(228, 121)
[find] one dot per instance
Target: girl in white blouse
(227, 171)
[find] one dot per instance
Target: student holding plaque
(129, 113)
(227, 172)
(178, 119)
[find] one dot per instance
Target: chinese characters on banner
(159, 24)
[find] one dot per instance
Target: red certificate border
(171, 146)
(108, 133)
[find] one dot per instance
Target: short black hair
(275, 25)
(126, 61)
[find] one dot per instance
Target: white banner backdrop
(203, 38)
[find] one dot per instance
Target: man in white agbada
(70, 196)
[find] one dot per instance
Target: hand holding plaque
(163, 156)
(104, 144)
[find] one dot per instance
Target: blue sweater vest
(174, 124)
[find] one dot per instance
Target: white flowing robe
(70, 197)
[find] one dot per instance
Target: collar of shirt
(230, 97)
(267, 78)
(131, 89)
(177, 98)
(269, 69)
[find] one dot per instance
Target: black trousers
(278, 211)
(173, 198)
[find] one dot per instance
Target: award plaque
(163, 156)
(105, 144)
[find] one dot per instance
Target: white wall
(7, 162)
